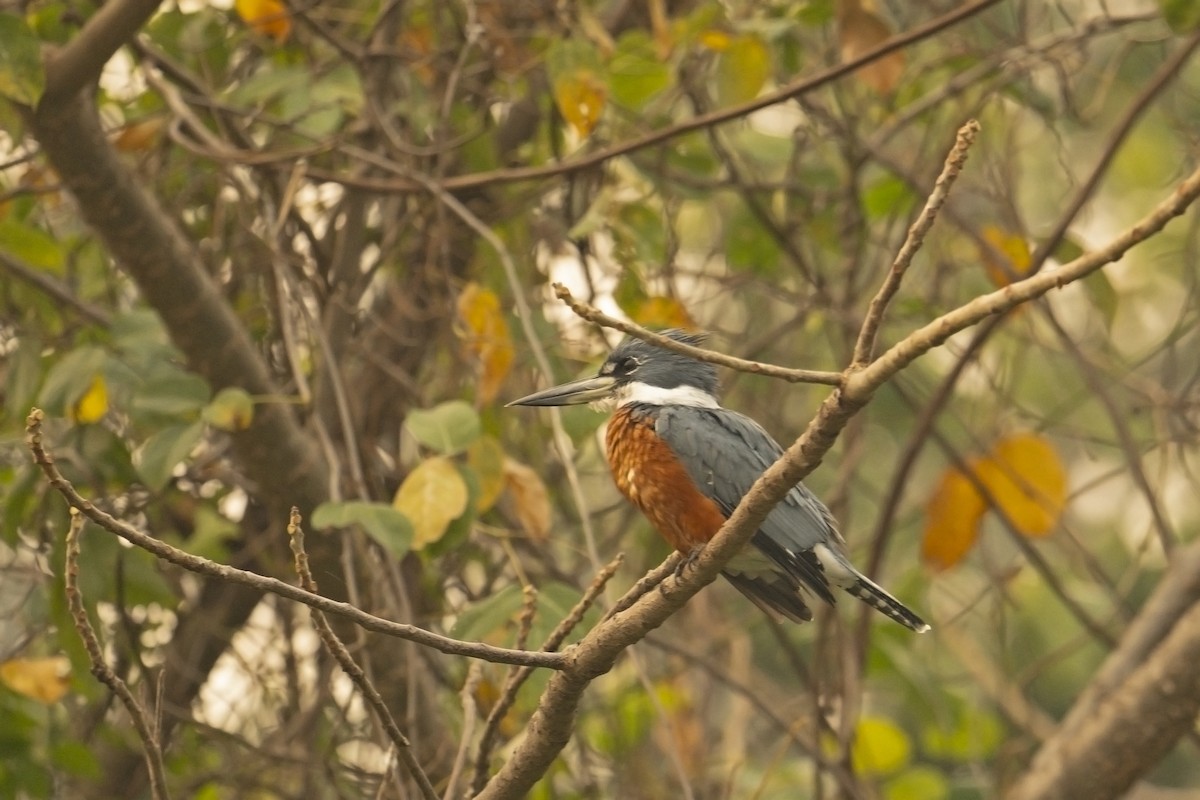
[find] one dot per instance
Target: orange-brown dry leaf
(139, 135)
(530, 500)
(1015, 250)
(859, 32)
(45, 680)
(265, 17)
(581, 96)
(662, 312)
(952, 519)
(486, 337)
(1027, 480)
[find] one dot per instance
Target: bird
(686, 462)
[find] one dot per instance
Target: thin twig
(151, 747)
(338, 650)
(647, 582)
(715, 117)
(517, 677)
(865, 347)
(204, 566)
(470, 710)
(593, 314)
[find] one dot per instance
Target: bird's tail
(878, 598)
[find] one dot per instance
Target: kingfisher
(686, 462)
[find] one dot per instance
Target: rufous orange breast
(647, 472)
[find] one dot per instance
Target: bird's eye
(629, 364)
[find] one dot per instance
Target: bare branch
(78, 64)
(715, 117)
(151, 748)
(338, 650)
(203, 566)
(865, 347)
(593, 314)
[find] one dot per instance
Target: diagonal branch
(552, 724)
(78, 64)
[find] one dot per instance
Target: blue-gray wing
(725, 452)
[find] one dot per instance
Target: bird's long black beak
(575, 393)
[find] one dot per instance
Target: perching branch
(203, 566)
(552, 723)
(593, 314)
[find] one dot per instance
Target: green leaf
(743, 68)
(21, 75)
(380, 521)
(75, 758)
(887, 197)
(1103, 294)
(70, 378)
(231, 410)
(448, 428)
(31, 245)
(173, 394)
(211, 534)
(748, 246)
(1182, 15)
(636, 72)
(973, 735)
(158, 456)
(484, 619)
(24, 373)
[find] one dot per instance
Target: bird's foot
(689, 558)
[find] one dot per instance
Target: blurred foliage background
(382, 193)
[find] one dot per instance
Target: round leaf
(231, 410)
(880, 747)
(157, 457)
(432, 496)
(448, 428)
(387, 526)
(1028, 481)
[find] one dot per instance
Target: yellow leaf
(1012, 247)
(265, 17)
(662, 312)
(716, 40)
(486, 457)
(580, 96)
(432, 496)
(486, 338)
(741, 71)
(43, 679)
(952, 519)
(880, 747)
(530, 500)
(859, 32)
(93, 405)
(1027, 480)
(231, 410)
